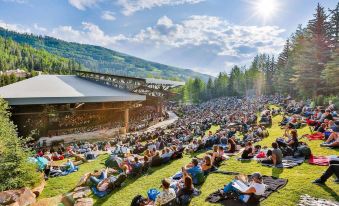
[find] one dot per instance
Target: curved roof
(61, 89)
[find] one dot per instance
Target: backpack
(152, 194)
(286, 151)
(138, 201)
(303, 151)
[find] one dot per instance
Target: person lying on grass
(102, 181)
(245, 189)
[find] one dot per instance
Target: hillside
(15, 56)
(100, 59)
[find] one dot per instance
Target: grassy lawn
(299, 178)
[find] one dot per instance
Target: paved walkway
(172, 118)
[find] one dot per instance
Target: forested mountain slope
(100, 59)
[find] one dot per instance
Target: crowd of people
(133, 154)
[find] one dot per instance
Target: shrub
(15, 169)
(319, 100)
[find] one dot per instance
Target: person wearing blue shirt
(194, 170)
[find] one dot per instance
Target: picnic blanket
(288, 162)
(307, 200)
(238, 151)
(273, 185)
(319, 160)
(250, 159)
(315, 136)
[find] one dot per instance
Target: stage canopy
(63, 89)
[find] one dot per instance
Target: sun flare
(265, 8)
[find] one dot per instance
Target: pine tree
(16, 171)
(313, 55)
(282, 78)
(331, 73)
(334, 27)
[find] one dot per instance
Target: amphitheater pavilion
(44, 104)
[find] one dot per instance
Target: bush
(15, 170)
(319, 100)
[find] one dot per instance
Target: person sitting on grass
(248, 151)
(232, 145)
(206, 165)
(136, 163)
(322, 128)
(215, 154)
(332, 141)
(292, 141)
(69, 167)
(185, 190)
(156, 159)
(193, 169)
(276, 157)
(148, 153)
(332, 169)
(167, 195)
(255, 187)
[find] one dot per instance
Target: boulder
(21, 197)
(52, 201)
(81, 192)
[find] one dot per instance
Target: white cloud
(15, 27)
(132, 6)
(82, 4)
(205, 43)
(89, 34)
(16, 1)
(165, 21)
(39, 28)
(108, 15)
(230, 39)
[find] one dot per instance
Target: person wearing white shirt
(256, 187)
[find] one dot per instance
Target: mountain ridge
(101, 59)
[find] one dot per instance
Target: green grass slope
(299, 178)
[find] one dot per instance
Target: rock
(81, 192)
(52, 201)
(21, 197)
(38, 190)
(84, 202)
(68, 200)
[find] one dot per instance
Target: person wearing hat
(255, 187)
(167, 194)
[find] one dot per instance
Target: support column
(126, 119)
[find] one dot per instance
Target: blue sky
(208, 36)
